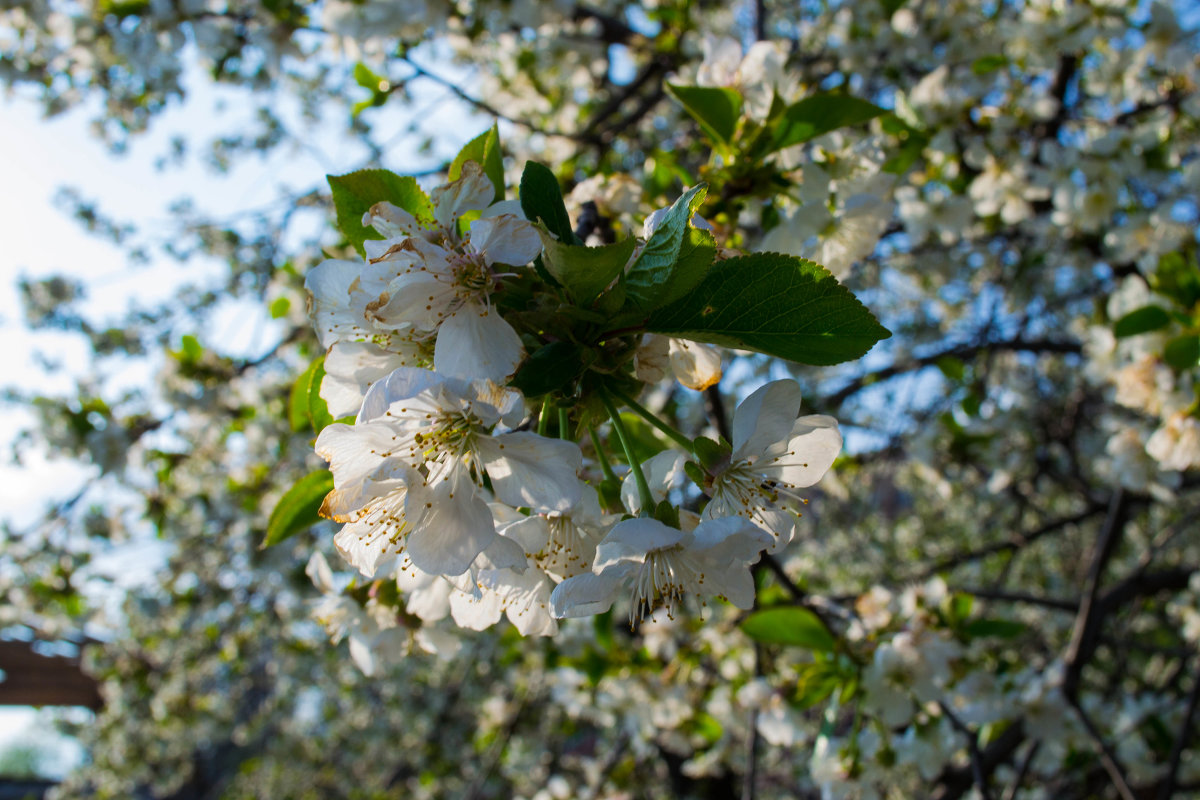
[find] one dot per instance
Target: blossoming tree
(775, 400)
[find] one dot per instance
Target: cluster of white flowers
(441, 488)
(1146, 451)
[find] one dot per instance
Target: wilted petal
(696, 365)
(471, 192)
(392, 221)
(652, 358)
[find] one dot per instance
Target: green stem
(649, 416)
(601, 456)
(564, 424)
(627, 445)
(544, 418)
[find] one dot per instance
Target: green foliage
(985, 64)
(675, 259)
(585, 271)
(816, 681)
(541, 200)
(484, 150)
(789, 625)
(711, 454)
(1178, 276)
(779, 305)
(1000, 628)
(307, 410)
(298, 509)
(717, 109)
(377, 85)
(1142, 320)
(644, 438)
(356, 192)
(1183, 352)
(549, 368)
(819, 114)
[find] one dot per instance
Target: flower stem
(627, 445)
(601, 456)
(650, 417)
(544, 418)
(564, 424)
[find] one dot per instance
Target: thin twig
(1087, 621)
(977, 771)
(1108, 758)
(750, 779)
(1167, 787)
(1026, 763)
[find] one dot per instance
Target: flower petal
(808, 453)
(531, 470)
(451, 526)
(505, 239)
(476, 342)
(696, 365)
(350, 370)
(765, 418)
(632, 539)
(586, 594)
(471, 192)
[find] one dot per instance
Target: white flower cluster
(441, 489)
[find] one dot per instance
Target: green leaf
(1142, 320)
(549, 368)
(815, 681)
(819, 114)
(985, 64)
(484, 150)
(190, 350)
(712, 455)
(675, 259)
(1183, 352)
(645, 440)
(953, 368)
(541, 199)
(1178, 277)
(300, 508)
(365, 78)
(585, 271)
(999, 628)
(306, 408)
(279, 307)
(356, 192)
(780, 305)
(717, 109)
(789, 625)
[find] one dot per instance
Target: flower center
(472, 277)
(663, 580)
(567, 551)
(451, 434)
